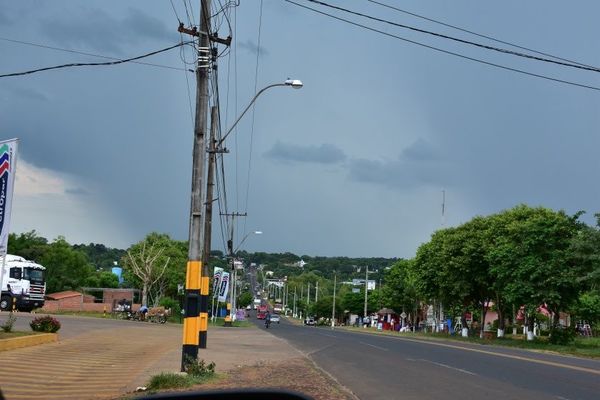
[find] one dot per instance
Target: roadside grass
(197, 373)
(237, 324)
(581, 347)
(78, 313)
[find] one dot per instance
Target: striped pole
(203, 318)
(191, 322)
(228, 315)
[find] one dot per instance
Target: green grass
(239, 324)
(581, 347)
(78, 313)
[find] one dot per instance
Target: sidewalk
(109, 363)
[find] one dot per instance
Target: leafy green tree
(28, 245)
(66, 269)
(531, 258)
(244, 299)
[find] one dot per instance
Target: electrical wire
(520, 71)
(258, 41)
(175, 11)
(43, 46)
(440, 35)
(119, 61)
(475, 33)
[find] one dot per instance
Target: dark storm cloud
(101, 31)
(323, 154)
(418, 165)
(253, 47)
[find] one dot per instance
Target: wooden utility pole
(333, 308)
(366, 290)
(195, 322)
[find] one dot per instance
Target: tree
(27, 245)
(66, 269)
(530, 258)
(146, 261)
(324, 307)
(244, 299)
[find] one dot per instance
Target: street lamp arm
(294, 83)
(246, 110)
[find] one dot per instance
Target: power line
(520, 71)
(43, 46)
(121, 61)
(258, 41)
(475, 33)
(440, 35)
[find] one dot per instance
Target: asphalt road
(384, 367)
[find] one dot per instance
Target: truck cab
(24, 281)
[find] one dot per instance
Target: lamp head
(295, 83)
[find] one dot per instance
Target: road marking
(372, 345)
(512, 356)
(448, 366)
(325, 334)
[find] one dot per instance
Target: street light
(293, 83)
(233, 288)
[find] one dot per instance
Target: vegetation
(45, 324)
(7, 326)
(197, 372)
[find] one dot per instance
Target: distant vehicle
(248, 307)
(275, 318)
(277, 308)
(310, 321)
(262, 312)
(27, 282)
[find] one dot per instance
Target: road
(390, 367)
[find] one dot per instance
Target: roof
(63, 295)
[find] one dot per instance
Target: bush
(7, 326)
(562, 336)
(199, 368)
(45, 324)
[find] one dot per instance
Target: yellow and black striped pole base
(228, 321)
(191, 321)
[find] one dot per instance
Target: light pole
(333, 308)
(233, 283)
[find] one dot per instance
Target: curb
(27, 341)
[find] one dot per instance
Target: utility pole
(333, 308)
(195, 323)
(317, 292)
(308, 297)
(230, 304)
(210, 176)
(366, 289)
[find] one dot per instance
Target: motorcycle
(267, 323)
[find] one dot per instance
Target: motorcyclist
(267, 319)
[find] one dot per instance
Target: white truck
(24, 281)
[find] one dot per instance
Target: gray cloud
(27, 93)
(100, 31)
(418, 165)
(323, 154)
(253, 47)
(77, 191)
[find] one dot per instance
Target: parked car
(310, 321)
(275, 318)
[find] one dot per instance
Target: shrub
(7, 326)
(45, 324)
(562, 336)
(199, 368)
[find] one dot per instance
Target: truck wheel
(4, 303)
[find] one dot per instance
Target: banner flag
(224, 286)
(8, 164)
(216, 279)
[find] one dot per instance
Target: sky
(353, 164)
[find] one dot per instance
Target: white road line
(464, 371)
(324, 334)
(372, 345)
